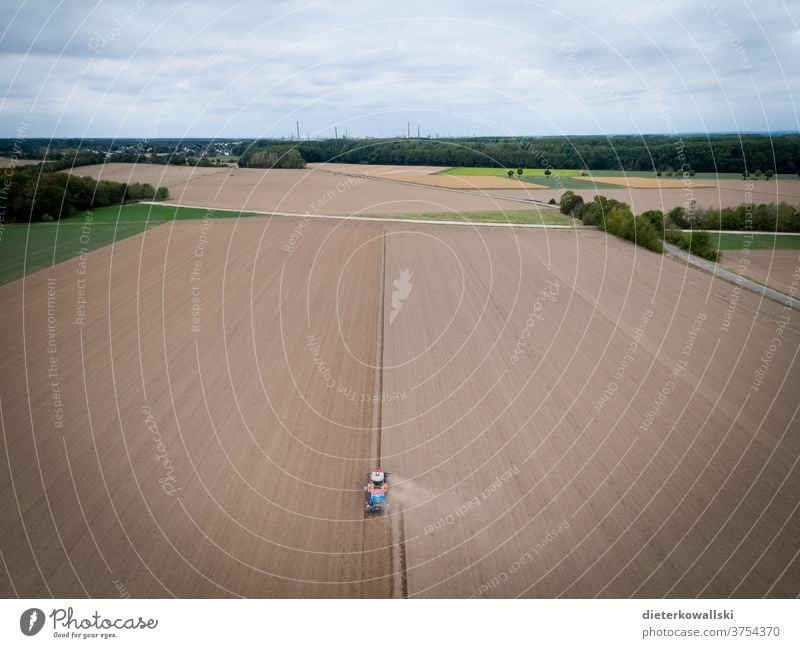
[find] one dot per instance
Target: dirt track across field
(562, 414)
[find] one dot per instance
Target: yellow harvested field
(464, 182)
(635, 182)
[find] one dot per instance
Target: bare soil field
(175, 178)
(773, 268)
(464, 182)
(206, 462)
(562, 414)
(527, 481)
(636, 182)
(297, 191)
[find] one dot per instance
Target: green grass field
(26, 248)
(760, 241)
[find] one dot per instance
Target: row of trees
(651, 227)
(698, 243)
(708, 153)
(30, 196)
(614, 217)
(780, 217)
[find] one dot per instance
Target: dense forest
(28, 194)
(712, 153)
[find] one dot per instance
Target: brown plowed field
(302, 191)
(637, 182)
(268, 460)
(228, 460)
(464, 182)
(773, 268)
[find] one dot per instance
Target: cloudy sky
(148, 68)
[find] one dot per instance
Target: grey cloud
(114, 65)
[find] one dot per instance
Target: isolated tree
(519, 172)
(769, 173)
(758, 174)
(746, 175)
(547, 172)
(658, 173)
(510, 173)
(571, 204)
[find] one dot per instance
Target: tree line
(652, 227)
(665, 154)
(30, 194)
(655, 153)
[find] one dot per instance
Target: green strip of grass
(759, 241)
(27, 248)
